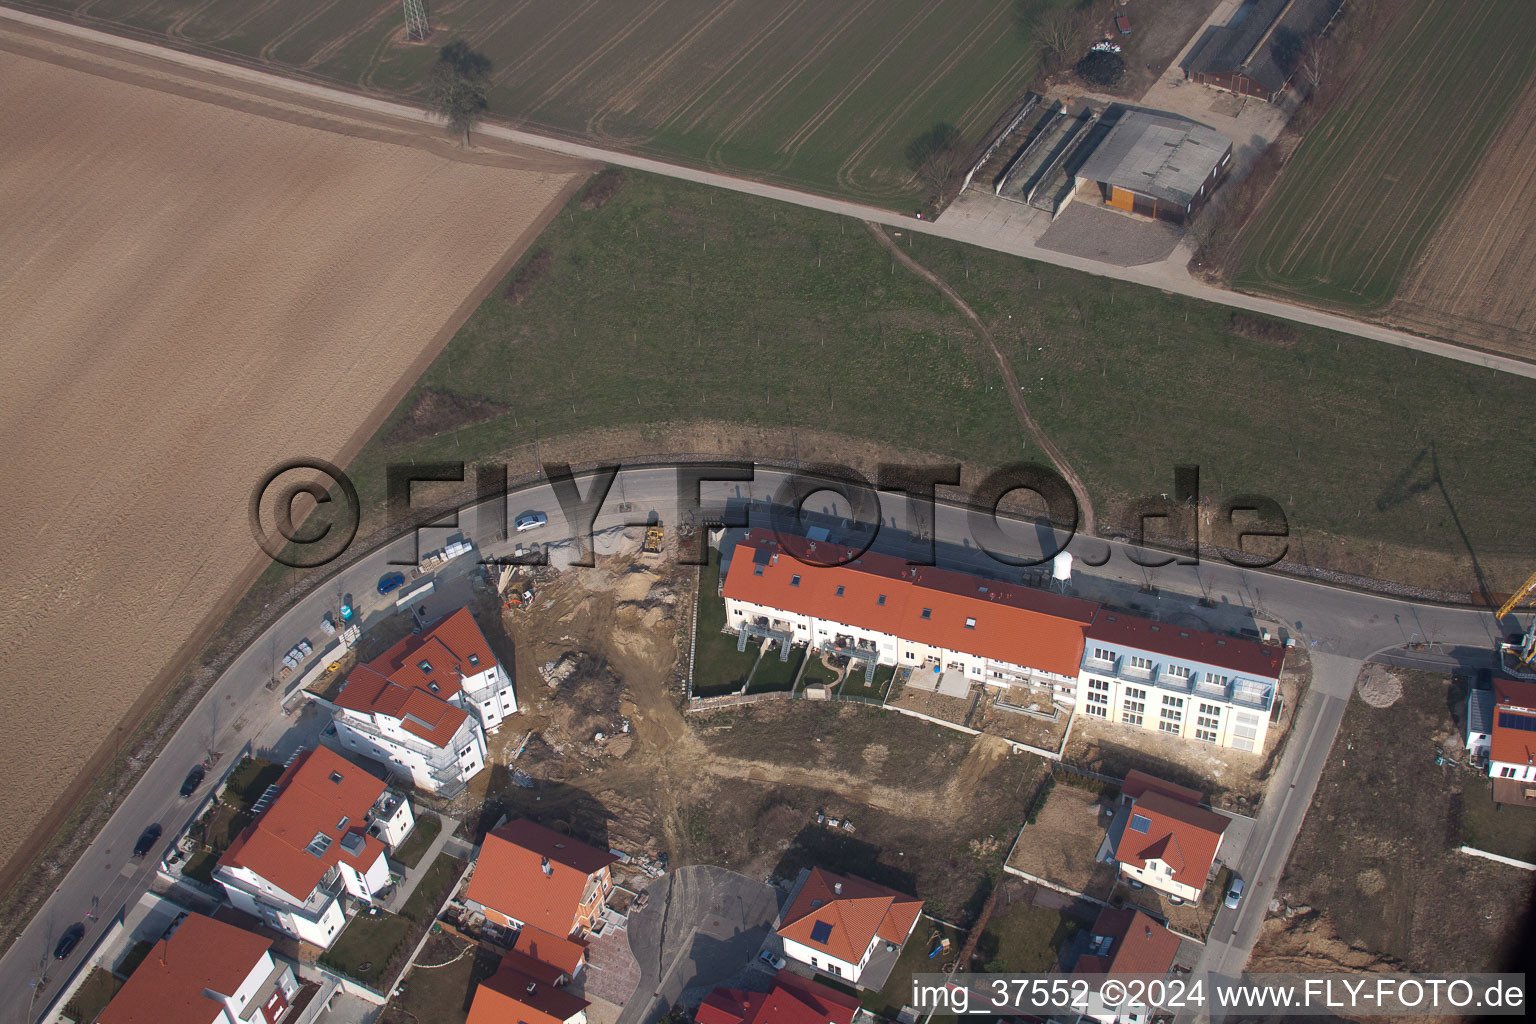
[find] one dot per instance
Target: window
(1104, 654)
(970, 623)
(1098, 710)
(1506, 772)
(318, 845)
(1137, 661)
(927, 613)
(1136, 691)
(1134, 706)
(840, 590)
(1216, 679)
(1173, 702)
(1141, 823)
(1206, 735)
(1179, 671)
(341, 826)
(1210, 709)
(1130, 719)
(794, 581)
(757, 570)
(1207, 722)
(1099, 684)
(336, 777)
(1098, 698)
(880, 600)
(1172, 727)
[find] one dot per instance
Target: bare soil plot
(192, 294)
(1472, 284)
(1375, 879)
(1061, 845)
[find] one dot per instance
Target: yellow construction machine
(653, 536)
(1521, 654)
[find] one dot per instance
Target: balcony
(433, 758)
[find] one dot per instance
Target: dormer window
(424, 665)
(474, 659)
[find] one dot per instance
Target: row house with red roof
(880, 610)
(1178, 681)
(848, 927)
(321, 834)
(205, 972)
(1501, 726)
(1169, 841)
(526, 990)
(424, 706)
(791, 1000)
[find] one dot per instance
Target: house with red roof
(791, 1000)
(1126, 942)
(321, 833)
(1178, 681)
(848, 927)
(424, 706)
(1511, 740)
(524, 992)
(879, 610)
(205, 972)
(1168, 842)
(548, 886)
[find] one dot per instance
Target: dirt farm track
(193, 292)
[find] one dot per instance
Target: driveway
(700, 927)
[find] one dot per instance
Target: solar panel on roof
(1140, 823)
(1511, 720)
(821, 932)
(762, 556)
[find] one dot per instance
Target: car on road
(193, 780)
(390, 582)
(1234, 893)
(147, 840)
(772, 959)
(69, 940)
(530, 521)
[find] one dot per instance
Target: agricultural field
(226, 293)
(820, 95)
(1370, 187)
(669, 318)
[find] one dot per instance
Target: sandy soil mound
(1378, 687)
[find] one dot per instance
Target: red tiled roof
(1138, 945)
(1179, 834)
(564, 954)
(167, 988)
(857, 915)
(1138, 782)
(317, 791)
(1012, 624)
(511, 997)
(1246, 656)
(793, 1000)
(1507, 744)
(538, 970)
(509, 875)
(395, 684)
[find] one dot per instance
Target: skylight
(424, 665)
(474, 659)
(336, 777)
(1141, 823)
(970, 623)
(880, 600)
(319, 844)
(927, 613)
(839, 591)
(341, 826)
(794, 581)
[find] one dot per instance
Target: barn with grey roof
(1155, 164)
(1258, 51)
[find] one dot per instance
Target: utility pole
(416, 27)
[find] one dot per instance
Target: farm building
(1155, 164)
(1258, 52)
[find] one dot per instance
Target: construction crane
(1524, 651)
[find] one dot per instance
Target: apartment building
(880, 610)
(424, 706)
(1178, 681)
(205, 972)
(320, 835)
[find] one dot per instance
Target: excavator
(1519, 656)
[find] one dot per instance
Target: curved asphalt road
(1153, 275)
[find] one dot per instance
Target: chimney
(1149, 931)
(837, 887)
(544, 865)
(531, 987)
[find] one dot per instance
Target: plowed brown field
(1474, 283)
(190, 294)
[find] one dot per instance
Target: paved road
(974, 231)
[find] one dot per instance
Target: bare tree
(458, 84)
(1060, 34)
(937, 157)
(1314, 64)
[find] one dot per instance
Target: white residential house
(1123, 942)
(1511, 741)
(424, 706)
(205, 972)
(320, 834)
(882, 611)
(1178, 681)
(1169, 842)
(838, 924)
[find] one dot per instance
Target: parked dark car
(147, 840)
(69, 940)
(193, 780)
(390, 582)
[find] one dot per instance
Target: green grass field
(1354, 207)
(821, 95)
(674, 303)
